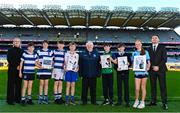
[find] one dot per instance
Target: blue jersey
(137, 53)
(29, 62)
(59, 59)
(41, 53)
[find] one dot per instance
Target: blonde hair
(142, 52)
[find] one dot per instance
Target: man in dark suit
(158, 58)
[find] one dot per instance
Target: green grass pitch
(173, 83)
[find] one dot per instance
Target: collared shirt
(155, 45)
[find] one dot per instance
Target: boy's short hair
(72, 43)
(107, 44)
(120, 45)
(30, 44)
(60, 42)
(45, 41)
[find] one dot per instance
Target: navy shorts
(28, 76)
(71, 76)
(44, 77)
(141, 76)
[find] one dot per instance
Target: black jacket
(158, 58)
(14, 56)
(89, 65)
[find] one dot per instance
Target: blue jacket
(89, 65)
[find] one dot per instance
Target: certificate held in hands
(105, 61)
(139, 63)
(47, 62)
(122, 63)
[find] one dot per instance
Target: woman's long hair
(142, 52)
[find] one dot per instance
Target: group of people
(69, 65)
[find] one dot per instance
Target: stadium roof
(76, 15)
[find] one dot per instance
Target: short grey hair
(89, 42)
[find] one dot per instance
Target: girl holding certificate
(141, 64)
(71, 67)
(44, 72)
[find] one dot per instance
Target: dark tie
(154, 48)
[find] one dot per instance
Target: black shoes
(165, 107)
(152, 104)
(23, 102)
(59, 101)
(30, 102)
(106, 102)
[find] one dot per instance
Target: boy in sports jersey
(107, 77)
(71, 67)
(44, 73)
(58, 72)
(27, 73)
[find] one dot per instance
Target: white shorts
(58, 74)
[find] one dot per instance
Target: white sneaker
(141, 105)
(136, 103)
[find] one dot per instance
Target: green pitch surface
(173, 86)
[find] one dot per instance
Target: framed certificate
(47, 62)
(105, 61)
(139, 63)
(122, 63)
(72, 63)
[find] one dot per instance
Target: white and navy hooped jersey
(42, 53)
(29, 62)
(58, 59)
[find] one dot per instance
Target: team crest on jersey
(25, 76)
(94, 55)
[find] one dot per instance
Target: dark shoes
(152, 104)
(106, 102)
(165, 107)
(30, 102)
(23, 102)
(59, 101)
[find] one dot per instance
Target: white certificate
(47, 62)
(72, 63)
(122, 63)
(139, 63)
(105, 61)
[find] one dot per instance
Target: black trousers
(88, 83)
(123, 78)
(107, 82)
(13, 86)
(162, 82)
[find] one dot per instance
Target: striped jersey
(42, 53)
(29, 62)
(58, 59)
